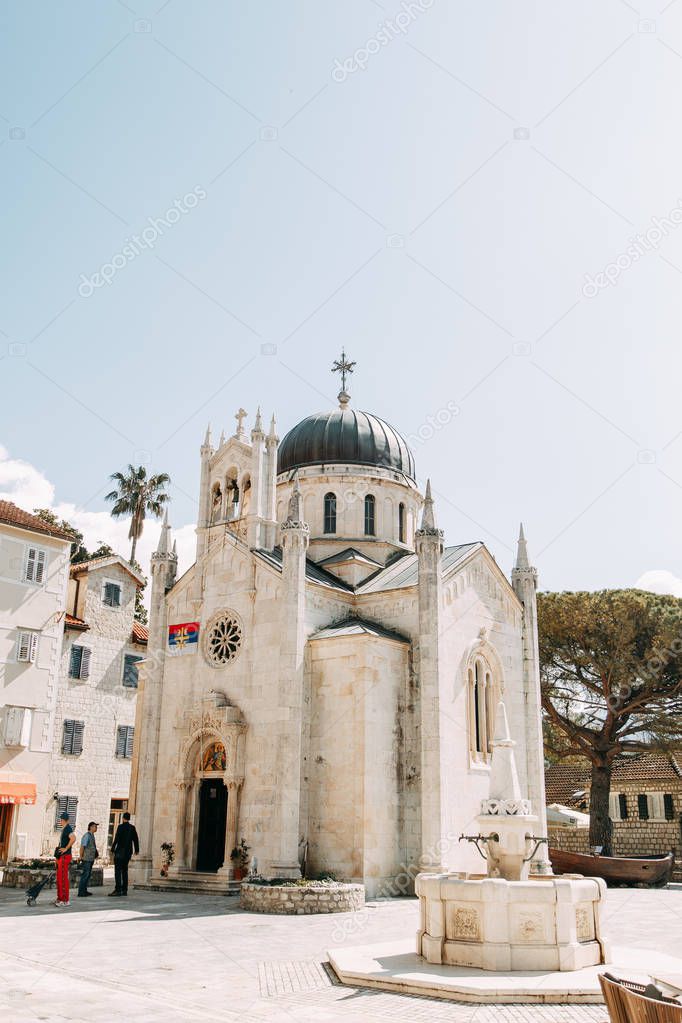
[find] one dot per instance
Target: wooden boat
(649, 870)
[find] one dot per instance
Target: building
(646, 804)
(34, 574)
(95, 706)
(323, 681)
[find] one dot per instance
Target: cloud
(660, 580)
(28, 488)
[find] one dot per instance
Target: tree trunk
(132, 550)
(600, 821)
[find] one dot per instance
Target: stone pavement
(164, 958)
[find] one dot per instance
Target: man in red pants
(66, 840)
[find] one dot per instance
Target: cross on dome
(345, 368)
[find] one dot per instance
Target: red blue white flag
(183, 639)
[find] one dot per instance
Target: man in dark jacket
(125, 842)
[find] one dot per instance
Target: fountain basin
(547, 923)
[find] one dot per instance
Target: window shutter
(643, 807)
(120, 741)
(623, 807)
(614, 806)
(85, 663)
(40, 566)
(62, 802)
(130, 670)
(67, 737)
(669, 806)
(30, 564)
(75, 662)
(112, 595)
(24, 646)
(656, 806)
(78, 729)
(14, 725)
(33, 648)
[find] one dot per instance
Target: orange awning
(16, 787)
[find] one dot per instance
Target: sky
(204, 203)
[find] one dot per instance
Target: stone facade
(302, 899)
(34, 574)
(96, 771)
(339, 674)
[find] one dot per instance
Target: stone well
(302, 899)
(548, 923)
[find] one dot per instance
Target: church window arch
(245, 493)
(232, 494)
(370, 515)
(401, 523)
(329, 513)
(216, 503)
(484, 689)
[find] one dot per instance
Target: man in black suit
(125, 842)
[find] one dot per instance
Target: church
(322, 682)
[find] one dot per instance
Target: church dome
(345, 436)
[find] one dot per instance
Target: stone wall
(23, 877)
(101, 702)
(630, 838)
(302, 899)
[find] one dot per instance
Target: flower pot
(164, 870)
(239, 873)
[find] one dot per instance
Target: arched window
(330, 513)
(484, 692)
(370, 515)
(216, 504)
(401, 523)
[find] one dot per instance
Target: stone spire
(207, 438)
(258, 425)
(272, 436)
(222, 439)
(162, 548)
(522, 551)
(428, 516)
(504, 777)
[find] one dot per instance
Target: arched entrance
(212, 774)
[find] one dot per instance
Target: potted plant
(168, 850)
(240, 859)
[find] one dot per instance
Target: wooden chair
(628, 1002)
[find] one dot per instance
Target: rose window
(223, 640)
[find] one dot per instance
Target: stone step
(199, 883)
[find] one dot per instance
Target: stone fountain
(507, 920)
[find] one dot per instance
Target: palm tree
(136, 495)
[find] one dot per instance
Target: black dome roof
(344, 435)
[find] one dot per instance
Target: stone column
(429, 545)
(288, 728)
(231, 825)
(184, 787)
(163, 570)
(525, 581)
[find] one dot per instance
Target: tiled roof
(357, 627)
(103, 562)
(563, 781)
(14, 516)
(140, 633)
(71, 622)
